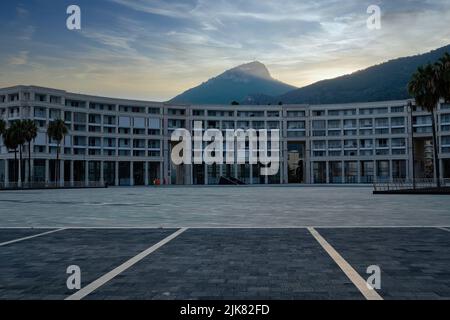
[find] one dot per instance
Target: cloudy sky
(154, 49)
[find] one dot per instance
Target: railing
(50, 185)
(409, 184)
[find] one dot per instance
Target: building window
(154, 110)
(198, 113)
(318, 124)
(383, 170)
(318, 113)
(296, 125)
(176, 112)
(292, 114)
(398, 109)
(276, 114)
(334, 124)
(399, 169)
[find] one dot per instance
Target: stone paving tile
(234, 264)
(36, 268)
(12, 234)
(414, 262)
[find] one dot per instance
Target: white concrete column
(161, 172)
(205, 172)
(251, 173)
(166, 156)
(391, 178)
(102, 177)
(86, 173)
(131, 173)
(26, 169)
(327, 173)
(189, 172)
(32, 170)
(308, 164)
(343, 171)
(410, 163)
(61, 172)
(47, 169)
(6, 172)
(146, 182)
(375, 170)
(220, 170)
(116, 173)
(71, 173)
(358, 165)
(284, 168)
(19, 178)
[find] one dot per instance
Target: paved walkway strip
(112, 274)
(30, 237)
(349, 271)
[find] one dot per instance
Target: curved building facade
(126, 142)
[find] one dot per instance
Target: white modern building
(126, 142)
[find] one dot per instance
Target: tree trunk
(15, 165)
(20, 167)
(57, 166)
(436, 151)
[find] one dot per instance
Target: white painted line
(113, 273)
(30, 237)
(352, 274)
(444, 229)
(233, 227)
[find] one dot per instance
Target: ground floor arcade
(81, 172)
(135, 173)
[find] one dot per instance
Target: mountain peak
(255, 69)
(235, 85)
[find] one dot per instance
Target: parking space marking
(113, 273)
(349, 271)
(234, 227)
(31, 237)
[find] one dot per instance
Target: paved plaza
(249, 207)
(144, 243)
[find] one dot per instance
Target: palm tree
(2, 127)
(443, 75)
(56, 131)
(424, 87)
(18, 135)
(30, 132)
(10, 142)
